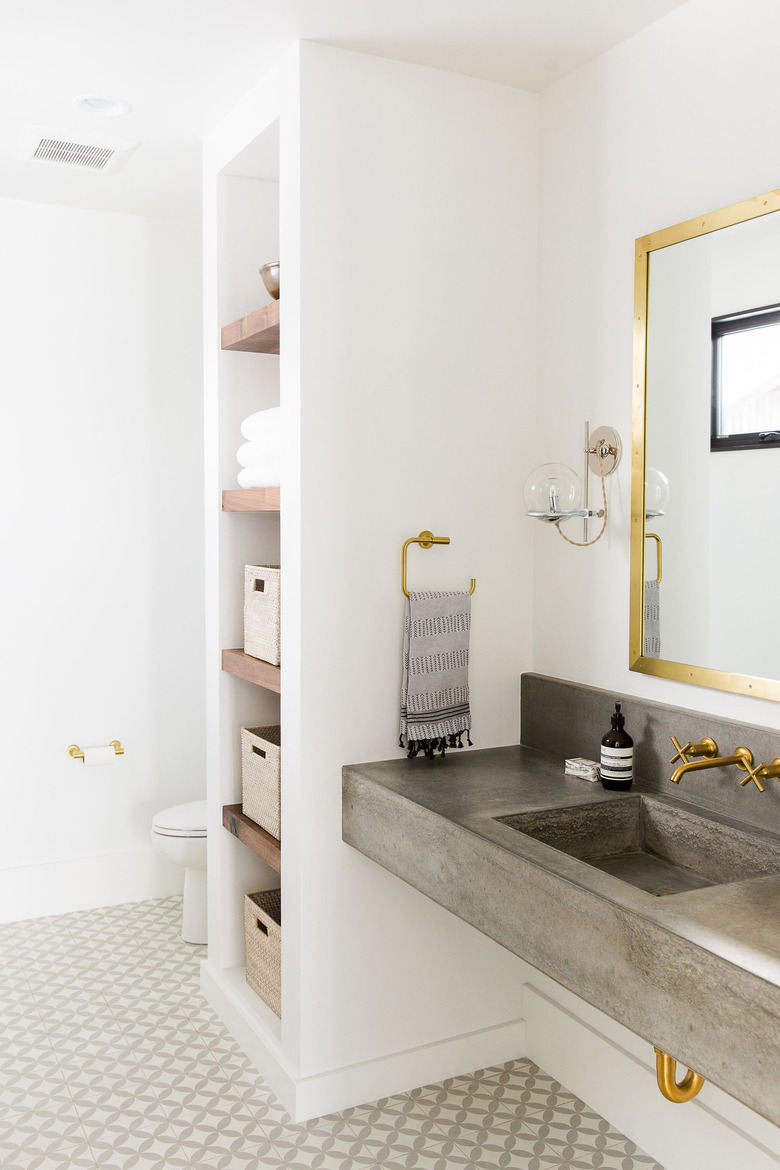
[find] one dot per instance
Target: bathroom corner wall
(676, 121)
(102, 582)
(417, 286)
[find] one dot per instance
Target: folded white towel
(258, 452)
(256, 477)
(262, 424)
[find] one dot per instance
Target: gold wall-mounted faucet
(742, 757)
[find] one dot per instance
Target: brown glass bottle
(617, 755)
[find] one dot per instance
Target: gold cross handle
(681, 752)
(705, 747)
(753, 774)
(766, 771)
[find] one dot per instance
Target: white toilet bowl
(179, 834)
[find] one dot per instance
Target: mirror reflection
(712, 452)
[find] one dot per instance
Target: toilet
(179, 834)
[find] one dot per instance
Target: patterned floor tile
(64, 1161)
(110, 1058)
(558, 1127)
(573, 1159)
(49, 1122)
(129, 1140)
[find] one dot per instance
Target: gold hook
(666, 1072)
(425, 540)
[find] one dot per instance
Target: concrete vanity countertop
(696, 974)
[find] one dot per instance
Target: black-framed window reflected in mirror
(746, 380)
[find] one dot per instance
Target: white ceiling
(183, 63)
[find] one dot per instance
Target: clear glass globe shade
(552, 488)
(656, 492)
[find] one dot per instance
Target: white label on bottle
(617, 763)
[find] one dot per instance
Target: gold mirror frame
(702, 676)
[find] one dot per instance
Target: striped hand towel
(435, 689)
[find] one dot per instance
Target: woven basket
(261, 754)
(261, 612)
(263, 932)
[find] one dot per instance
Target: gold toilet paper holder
(75, 752)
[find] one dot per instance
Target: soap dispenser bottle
(617, 755)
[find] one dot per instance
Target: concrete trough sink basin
(662, 848)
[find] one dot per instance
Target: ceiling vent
(65, 148)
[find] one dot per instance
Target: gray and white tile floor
(111, 1058)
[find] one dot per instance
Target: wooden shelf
(251, 500)
(254, 670)
(255, 838)
(256, 333)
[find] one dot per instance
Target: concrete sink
(658, 847)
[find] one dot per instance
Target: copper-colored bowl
(270, 275)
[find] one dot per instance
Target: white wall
(102, 582)
(675, 122)
(418, 198)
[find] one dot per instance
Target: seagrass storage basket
(263, 932)
(261, 612)
(261, 755)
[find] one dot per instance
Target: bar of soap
(582, 768)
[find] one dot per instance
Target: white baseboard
(341, 1088)
(84, 883)
(613, 1071)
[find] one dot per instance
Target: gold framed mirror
(705, 469)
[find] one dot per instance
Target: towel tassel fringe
(429, 747)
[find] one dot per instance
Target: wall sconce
(554, 493)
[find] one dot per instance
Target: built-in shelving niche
(244, 233)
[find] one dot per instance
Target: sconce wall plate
(605, 441)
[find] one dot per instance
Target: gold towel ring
(425, 540)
